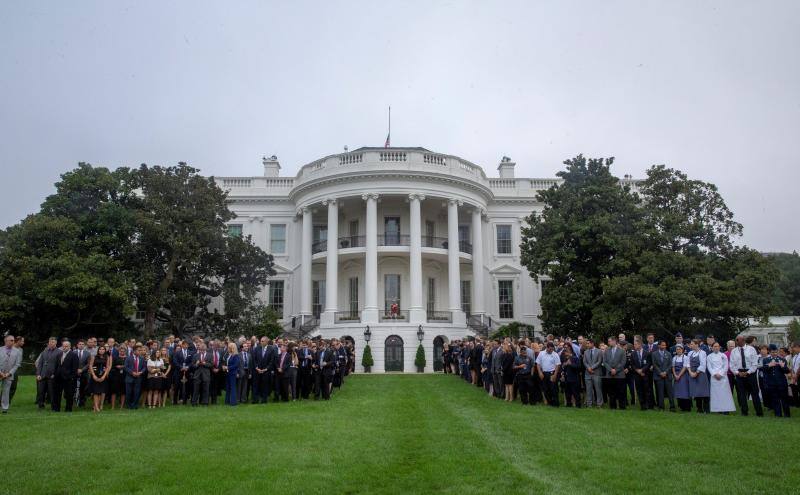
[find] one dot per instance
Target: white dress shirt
(548, 361)
(750, 356)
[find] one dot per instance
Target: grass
(393, 434)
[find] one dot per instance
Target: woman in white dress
(721, 397)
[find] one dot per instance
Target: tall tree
(585, 234)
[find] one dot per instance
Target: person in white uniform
(717, 365)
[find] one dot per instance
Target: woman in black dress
(166, 378)
(99, 366)
(116, 379)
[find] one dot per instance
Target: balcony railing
(358, 241)
(434, 242)
(393, 240)
(440, 317)
(347, 317)
(400, 315)
(352, 241)
(319, 246)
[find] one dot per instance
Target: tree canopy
(109, 243)
(662, 259)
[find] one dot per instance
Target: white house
(355, 233)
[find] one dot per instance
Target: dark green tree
(586, 233)
(786, 298)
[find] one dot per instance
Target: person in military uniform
(775, 369)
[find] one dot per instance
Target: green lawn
(393, 434)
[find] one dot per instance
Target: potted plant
(366, 359)
(419, 361)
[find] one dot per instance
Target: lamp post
(420, 334)
(367, 334)
(366, 359)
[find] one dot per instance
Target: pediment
(505, 269)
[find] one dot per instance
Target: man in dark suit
(135, 370)
(640, 365)
(306, 358)
(341, 361)
(217, 377)
(326, 361)
(662, 365)
(263, 367)
(83, 371)
(46, 365)
(284, 361)
(201, 374)
(182, 376)
(651, 347)
(66, 378)
(245, 372)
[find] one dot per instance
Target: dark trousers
(650, 398)
(572, 392)
(283, 386)
(200, 389)
(536, 389)
(617, 388)
(45, 388)
(133, 391)
(305, 380)
(319, 383)
(631, 382)
(13, 389)
(795, 392)
(183, 391)
(497, 384)
(83, 389)
(65, 387)
(703, 404)
(217, 385)
(685, 404)
(524, 385)
(664, 388)
(243, 388)
(780, 401)
(641, 389)
(550, 389)
(748, 386)
(261, 387)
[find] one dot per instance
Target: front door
(393, 354)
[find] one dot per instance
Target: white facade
(353, 233)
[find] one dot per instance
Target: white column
(477, 261)
(332, 268)
(416, 310)
(453, 268)
(370, 313)
(305, 263)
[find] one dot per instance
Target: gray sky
(707, 87)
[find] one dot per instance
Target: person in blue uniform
(775, 368)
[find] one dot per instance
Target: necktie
(283, 356)
(744, 362)
(136, 364)
(216, 360)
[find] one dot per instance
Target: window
(431, 303)
(235, 230)
(391, 229)
(391, 291)
(430, 233)
(463, 239)
(354, 234)
(277, 238)
(466, 296)
(317, 297)
(276, 296)
(319, 234)
(353, 296)
(506, 298)
(504, 239)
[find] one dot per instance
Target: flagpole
(390, 125)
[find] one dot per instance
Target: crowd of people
(695, 374)
(192, 371)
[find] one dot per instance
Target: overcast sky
(711, 88)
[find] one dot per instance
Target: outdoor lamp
(420, 333)
(367, 334)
